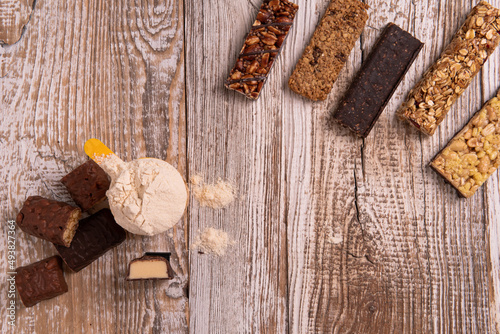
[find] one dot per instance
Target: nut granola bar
(431, 99)
(262, 46)
(329, 48)
(474, 153)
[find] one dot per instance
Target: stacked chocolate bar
(78, 242)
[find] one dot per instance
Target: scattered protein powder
(215, 196)
(212, 241)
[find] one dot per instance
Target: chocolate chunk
(329, 48)
(40, 281)
(262, 46)
(87, 185)
(377, 80)
(95, 236)
(48, 219)
(150, 267)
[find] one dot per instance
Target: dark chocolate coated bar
(87, 184)
(150, 267)
(262, 46)
(48, 219)
(40, 281)
(95, 236)
(377, 80)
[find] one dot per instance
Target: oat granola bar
(430, 100)
(474, 153)
(329, 48)
(262, 46)
(377, 80)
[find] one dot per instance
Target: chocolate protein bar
(48, 219)
(40, 281)
(474, 153)
(329, 48)
(95, 236)
(262, 45)
(87, 184)
(377, 80)
(430, 100)
(150, 267)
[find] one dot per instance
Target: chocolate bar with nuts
(40, 281)
(156, 267)
(377, 80)
(95, 236)
(87, 184)
(329, 48)
(48, 219)
(430, 100)
(262, 46)
(474, 153)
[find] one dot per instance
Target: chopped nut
(261, 47)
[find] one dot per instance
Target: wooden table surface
(333, 234)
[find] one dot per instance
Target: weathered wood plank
(239, 140)
(114, 71)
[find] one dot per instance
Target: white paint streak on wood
(491, 194)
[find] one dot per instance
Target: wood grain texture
(239, 140)
(333, 234)
(113, 71)
(411, 256)
(14, 15)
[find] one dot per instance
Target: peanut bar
(474, 153)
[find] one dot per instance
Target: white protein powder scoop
(147, 196)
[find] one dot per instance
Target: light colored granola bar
(474, 153)
(430, 100)
(329, 48)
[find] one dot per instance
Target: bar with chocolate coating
(48, 219)
(154, 267)
(40, 281)
(377, 80)
(87, 184)
(261, 48)
(95, 236)
(432, 97)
